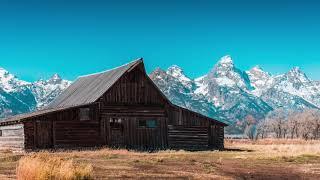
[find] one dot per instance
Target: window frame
(87, 115)
(146, 123)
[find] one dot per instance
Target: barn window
(142, 123)
(84, 114)
(147, 123)
(115, 123)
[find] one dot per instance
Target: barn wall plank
(12, 137)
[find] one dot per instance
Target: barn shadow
(237, 150)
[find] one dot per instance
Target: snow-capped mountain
(18, 96)
(46, 90)
(180, 89)
(231, 94)
(9, 82)
(259, 80)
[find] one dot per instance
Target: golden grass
(268, 148)
(241, 159)
(48, 166)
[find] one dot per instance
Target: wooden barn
(121, 107)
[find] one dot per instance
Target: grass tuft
(47, 166)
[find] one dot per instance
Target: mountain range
(18, 96)
(230, 94)
(226, 92)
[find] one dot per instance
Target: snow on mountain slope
(180, 91)
(46, 90)
(176, 72)
(17, 96)
(296, 82)
(259, 79)
(226, 74)
(9, 82)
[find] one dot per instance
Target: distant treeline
(285, 124)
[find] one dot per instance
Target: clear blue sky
(38, 38)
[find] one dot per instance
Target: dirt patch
(247, 169)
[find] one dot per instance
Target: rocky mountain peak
(178, 73)
(56, 76)
(296, 75)
(226, 61)
(158, 72)
(55, 79)
(258, 72)
(259, 79)
(3, 72)
(225, 73)
(258, 69)
(5, 75)
(223, 66)
(9, 82)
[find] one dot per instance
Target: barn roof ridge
(105, 71)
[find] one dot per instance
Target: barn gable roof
(88, 89)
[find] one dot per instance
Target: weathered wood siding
(69, 131)
(189, 130)
(134, 98)
(190, 138)
(135, 137)
(183, 117)
(63, 129)
(12, 137)
(216, 140)
(133, 88)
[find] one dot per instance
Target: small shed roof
(17, 118)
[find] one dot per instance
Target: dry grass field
(265, 159)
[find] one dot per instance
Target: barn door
(213, 136)
(116, 132)
(216, 137)
(44, 134)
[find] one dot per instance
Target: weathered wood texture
(70, 131)
(12, 137)
(183, 117)
(63, 129)
(135, 137)
(133, 88)
(190, 138)
(216, 140)
(131, 99)
(180, 118)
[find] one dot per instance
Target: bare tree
(293, 125)
(262, 129)
(312, 123)
(309, 124)
(249, 130)
(277, 122)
